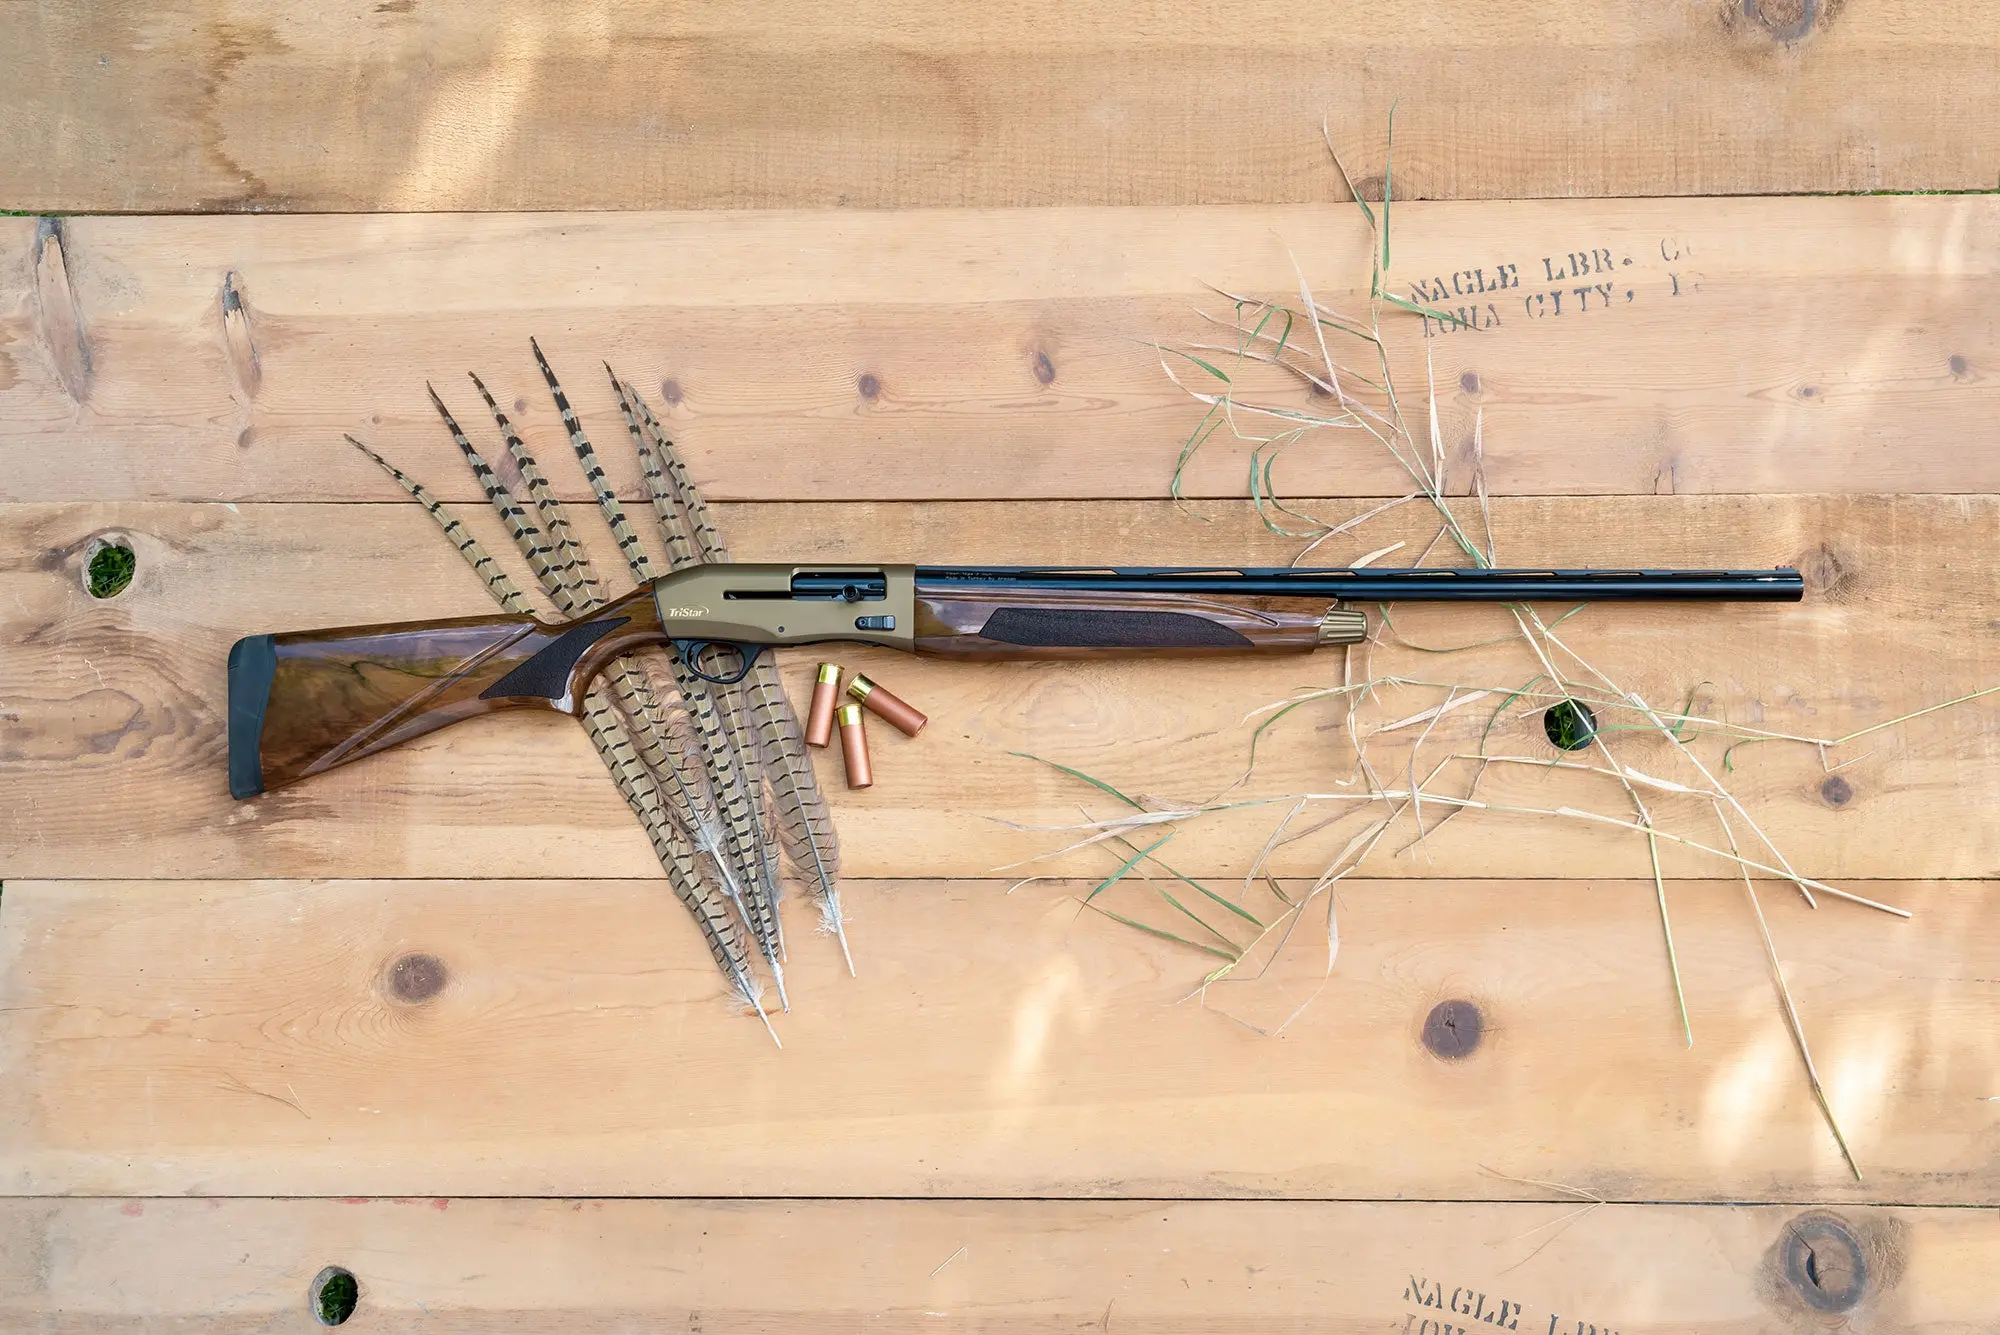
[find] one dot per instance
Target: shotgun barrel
(1389, 585)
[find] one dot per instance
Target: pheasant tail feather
(719, 930)
(728, 741)
(803, 818)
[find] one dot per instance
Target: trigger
(690, 652)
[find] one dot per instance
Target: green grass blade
(1417, 308)
(1123, 868)
(1284, 337)
(1257, 734)
(1345, 179)
(1345, 329)
(1228, 903)
(1186, 879)
(1567, 615)
(1729, 756)
(1388, 176)
(1196, 918)
(1205, 428)
(1209, 367)
(1687, 709)
(1434, 649)
(1163, 934)
(1079, 774)
(1501, 708)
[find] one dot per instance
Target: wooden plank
(243, 1038)
(611, 1265)
(113, 754)
(1766, 345)
(349, 107)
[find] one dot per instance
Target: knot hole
(1453, 1029)
(415, 979)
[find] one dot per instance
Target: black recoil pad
(252, 663)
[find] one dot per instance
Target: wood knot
(1045, 370)
(238, 339)
(1824, 1262)
(108, 565)
(671, 392)
(1469, 382)
(62, 325)
(1957, 364)
(1453, 1029)
(869, 386)
(1824, 573)
(1786, 20)
(416, 978)
(334, 1295)
(1836, 791)
(1370, 188)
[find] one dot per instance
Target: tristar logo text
(687, 611)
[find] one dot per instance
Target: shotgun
(304, 702)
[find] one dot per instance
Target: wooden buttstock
(998, 623)
(305, 702)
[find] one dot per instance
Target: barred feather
(574, 564)
(469, 547)
(804, 821)
(681, 489)
(728, 741)
(563, 569)
(614, 745)
(571, 581)
(526, 536)
(720, 929)
(675, 530)
(607, 501)
(803, 818)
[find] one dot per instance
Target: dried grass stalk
(1313, 342)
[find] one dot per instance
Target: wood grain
(358, 107)
(329, 701)
(1041, 625)
(1767, 346)
(540, 1267)
(258, 1038)
(113, 752)
(896, 277)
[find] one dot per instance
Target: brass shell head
(854, 747)
(825, 697)
(898, 713)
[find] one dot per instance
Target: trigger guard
(689, 652)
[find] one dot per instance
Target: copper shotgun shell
(826, 691)
(854, 747)
(898, 714)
